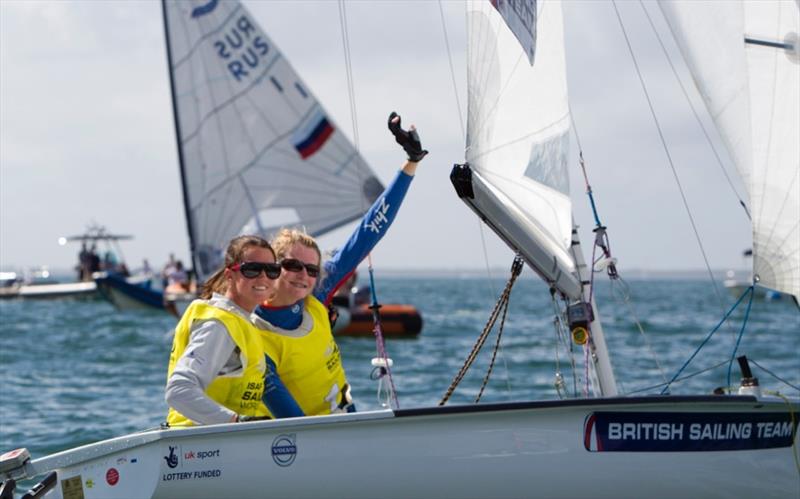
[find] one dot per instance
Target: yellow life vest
(307, 360)
(241, 391)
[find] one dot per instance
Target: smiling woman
(216, 367)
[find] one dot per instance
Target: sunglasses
(251, 270)
(295, 265)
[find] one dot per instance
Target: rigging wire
(626, 300)
(561, 340)
(774, 375)
(380, 345)
(349, 70)
(452, 71)
(703, 343)
(692, 375)
(695, 113)
(741, 332)
(668, 155)
(606, 246)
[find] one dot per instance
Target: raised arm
(377, 219)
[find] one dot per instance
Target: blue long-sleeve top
(373, 226)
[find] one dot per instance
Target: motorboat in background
(42, 283)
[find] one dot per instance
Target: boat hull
(128, 294)
(543, 449)
(62, 290)
(397, 321)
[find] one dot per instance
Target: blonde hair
(233, 254)
(286, 238)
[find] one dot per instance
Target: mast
(603, 382)
(186, 207)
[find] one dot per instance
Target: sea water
(75, 371)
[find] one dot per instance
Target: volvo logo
(284, 450)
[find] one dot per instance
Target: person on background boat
(169, 267)
(94, 261)
(177, 279)
(146, 269)
(216, 367)
(84, 263)
(305, 374)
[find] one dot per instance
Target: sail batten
(252, 138)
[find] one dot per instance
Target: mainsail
(745, 60)
(518, 132)
(257, 150)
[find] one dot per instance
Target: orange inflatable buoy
(397, 321)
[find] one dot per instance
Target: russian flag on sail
(312, 134)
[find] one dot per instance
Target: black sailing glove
(408, 139)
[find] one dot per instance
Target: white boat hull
(542, 449)
(67, 289)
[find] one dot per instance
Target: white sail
(257, 150)
(518, 126)
(745, 60)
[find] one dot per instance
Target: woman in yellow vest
(216, 367)
(305, 375)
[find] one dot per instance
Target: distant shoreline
(494, 272)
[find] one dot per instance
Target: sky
(87, 134)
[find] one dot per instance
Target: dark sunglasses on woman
(251, 270)
(295, 265)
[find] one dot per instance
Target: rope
(516, 268)
(494, 352)
(481, 230)
(666, 388)
(379, 342)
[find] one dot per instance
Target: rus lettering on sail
(242, 48)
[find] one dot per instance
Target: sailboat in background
(257, 152)
(739, 444)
